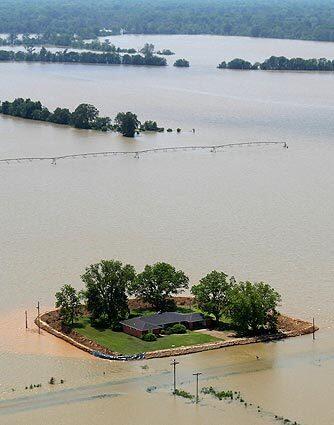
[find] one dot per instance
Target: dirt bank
(288, 327)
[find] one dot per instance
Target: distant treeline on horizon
(305, 19)
(281, 63)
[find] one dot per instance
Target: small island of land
(145, 57)
(85, 117)
(158, 322)
(281, 63)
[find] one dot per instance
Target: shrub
(117, 327)
(149, 337)
(181, 63)
(183, 393)
(178, 328)
(149, 126)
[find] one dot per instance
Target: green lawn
(127, 344)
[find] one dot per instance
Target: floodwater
(260, 213)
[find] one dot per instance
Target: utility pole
(38, 314)
(197, 375)
(313, 330)
(26, 314)
(174, 363)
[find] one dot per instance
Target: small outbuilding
(138, 326)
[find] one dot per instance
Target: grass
(127, 344)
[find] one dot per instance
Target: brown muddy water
(261, 213)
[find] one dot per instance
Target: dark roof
(163, 318)
(139, 324)
(173, 317)
(192, 317)
(156, 321)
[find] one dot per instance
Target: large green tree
(253, 307)
(127, 123)
(106, 291)
(212, 293)
(68, 302)
(158, 283)
(84, 116)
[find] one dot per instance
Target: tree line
(251, 307)
(63, 40)
(73, 41)
(281, 63)
(305, 19)
(65, 56)
(85, 116)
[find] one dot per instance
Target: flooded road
(260, 213)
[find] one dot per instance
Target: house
(138, 326)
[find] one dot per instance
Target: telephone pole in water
(197, 375)
(38, 314)
(174, 363)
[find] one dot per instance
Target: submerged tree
(149, 126)
(182, 63)
(84, 116)
(158, 283)
(127, 123)
(61, 116)
(147, 50)
(239, 64)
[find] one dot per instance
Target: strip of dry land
(287, 327)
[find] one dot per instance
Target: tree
(106, 286)
(102, 124)
(239, 64)
(61, 116)
(147, 50)
(212, 293)
(165, 52)
(157, 283)
(68, 302)
(127, 123)
(222, 65)
(84, 116)
(149, 126)
(253, 307)
(182, 63)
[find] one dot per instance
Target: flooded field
(260, 213)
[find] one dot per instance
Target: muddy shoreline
(288, 327)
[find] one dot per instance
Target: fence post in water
(313, 329)
(197, 375)
(38, 314)
(174, 363)
(26, 315)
